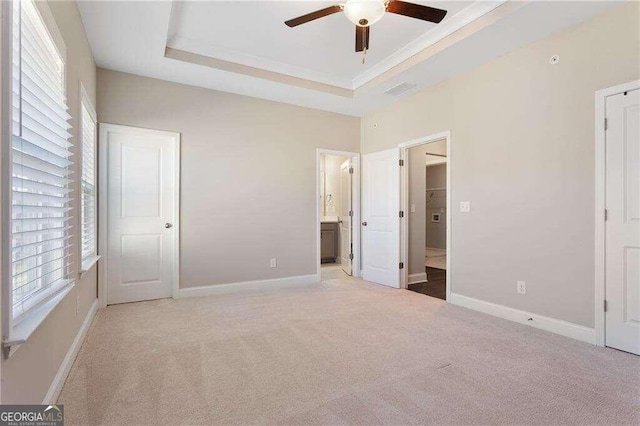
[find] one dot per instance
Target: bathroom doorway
(337, 214)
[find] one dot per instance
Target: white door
(142, 183)
(380, 218)
(346, 216)
(623, 222)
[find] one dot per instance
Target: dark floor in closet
(436, 285)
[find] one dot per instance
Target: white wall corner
(274, 283)
(417, 278)
(65, 367)
(563, 328)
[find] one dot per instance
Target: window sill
(30, 323)
(88, 263)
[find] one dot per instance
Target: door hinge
(605, 305)
(401, 265)
(606, 123)
(401, 162)
(606, 215)
(350, 213)
(401, 213)
(350, 256)
(350, 170)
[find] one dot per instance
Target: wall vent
(399, 88)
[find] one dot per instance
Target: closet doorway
(426, 204)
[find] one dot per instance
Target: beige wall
(247, 174)
(436, 177)
(420, 219)
(417, 218)
(28, 374)
(522, 151)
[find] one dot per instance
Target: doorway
(618, 229)
(139, 213)
(337, 214)
(385, 214)
(425, 206)
(427, 218)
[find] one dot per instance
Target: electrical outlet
(77, 305)
(521, 287)
(273, 263)
(465, 206)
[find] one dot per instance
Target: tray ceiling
(253, 33)
(244, 47)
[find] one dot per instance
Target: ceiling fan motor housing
(364, 12)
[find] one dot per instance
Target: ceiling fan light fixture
(364, 12)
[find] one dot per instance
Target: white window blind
(88, 181)
(40, 211)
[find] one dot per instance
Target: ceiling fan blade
(417, 11)
(362, 38)
(313, 16)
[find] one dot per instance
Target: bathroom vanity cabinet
(329, 242)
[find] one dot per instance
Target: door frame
(103, 179)
(355, 196)
(404, 205)
(600, 205)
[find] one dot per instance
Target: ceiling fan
(364, 13)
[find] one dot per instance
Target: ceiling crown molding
(253, 61)
(234, 67)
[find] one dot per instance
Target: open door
(622, 313)
(380, 218)
(346, 217)
(142, 206)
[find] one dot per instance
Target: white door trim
(600, 168)
(355, 195)
(404, 205)
(103, 179)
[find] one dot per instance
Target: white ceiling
(132, 37)
(254, 33)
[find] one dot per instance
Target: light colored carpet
(340, 352)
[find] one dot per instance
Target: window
(40, 165)
(88, 179)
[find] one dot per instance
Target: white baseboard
(61, 376)
(246, 286)
(564, 328)
(417, 278)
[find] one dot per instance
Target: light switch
(413, 208)
(465, 206)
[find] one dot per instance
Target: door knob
(168, 225)
(364, 223)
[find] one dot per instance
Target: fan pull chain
(364, 55)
